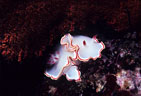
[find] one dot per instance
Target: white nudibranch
(72, 49)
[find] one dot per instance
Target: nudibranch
(71, 50)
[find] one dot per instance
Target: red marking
(56, 58)
(49, 61)
(57, 52)
(84, 43)
(94, 37)
(53, 62)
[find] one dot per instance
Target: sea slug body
(74, 48)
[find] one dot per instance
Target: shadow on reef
(21, 79)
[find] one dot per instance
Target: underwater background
(30, 30)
